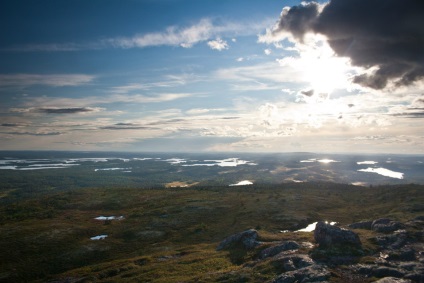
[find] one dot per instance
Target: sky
(212, 75)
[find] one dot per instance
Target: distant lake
(227, 168)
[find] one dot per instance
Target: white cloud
(56, 80)
(267, 51)
(218, 44)
(197, 111)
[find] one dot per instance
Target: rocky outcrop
(314, 273)
(397, 256)
(386, 225)
(247, 239)
(327, 235)
(400, 257)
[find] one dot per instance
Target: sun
(322, 69)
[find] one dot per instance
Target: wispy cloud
(167, 82)
(33, 133)
(187, 36)
(55, 80)
(85, 104)
(58, 110)
(174, 36)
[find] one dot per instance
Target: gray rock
(419, 218)
(327, 235)
(415, 277)
(392, 241)
(292, 262)
(392, 280)
(361, 225)
(314, 273)
(365, 269)
(384, 271)
(404, 254)
(386, 225)
(247, 239)
(274, 250)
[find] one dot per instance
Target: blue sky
(186, 75)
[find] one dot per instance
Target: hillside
(171, 234)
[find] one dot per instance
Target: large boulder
(274, 250)
(386, 225)
(327, 235)
(247, 239)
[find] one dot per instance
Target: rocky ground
(394, 252)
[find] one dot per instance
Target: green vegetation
(170, 234)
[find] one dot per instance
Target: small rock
(274, 250)
(246, 238)
(327, 235)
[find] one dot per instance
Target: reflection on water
(242, 183)
(383, 172)
(366, 162)
(99, 237)
(311, 227)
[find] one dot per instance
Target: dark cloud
(12, 125)
(127, 126)
(299, 19)
(68, 110)
(169, 121)
(230, 118)
(410, 114)
(308, 92)
(388, 34)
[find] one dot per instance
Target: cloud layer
(385, 35)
